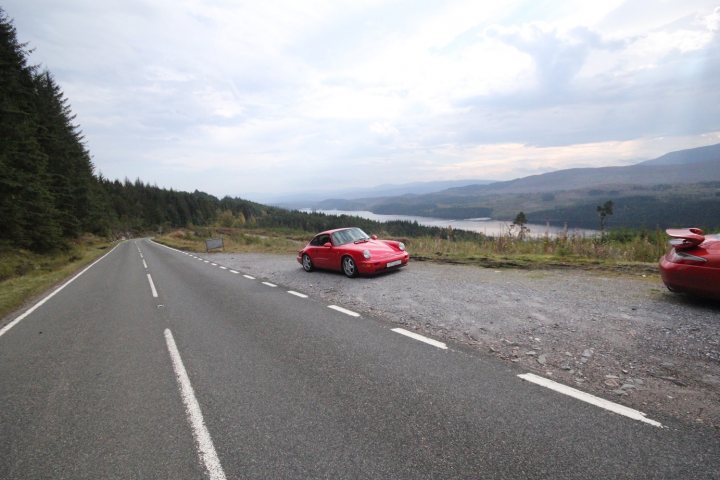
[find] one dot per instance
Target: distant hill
(310, 199)
(687, 178)
(687, 157)
(669, 169)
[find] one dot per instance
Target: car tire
(307, 263)
(349, 267)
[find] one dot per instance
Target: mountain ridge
(683, 176)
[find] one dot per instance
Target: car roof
(329, 232)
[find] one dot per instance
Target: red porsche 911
(692, 265)
(352, 251)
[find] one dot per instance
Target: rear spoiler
(684, 238)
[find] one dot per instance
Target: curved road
(158, 364)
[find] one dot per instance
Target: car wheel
(307, 263)
(349, 268)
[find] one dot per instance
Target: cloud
(233, 97)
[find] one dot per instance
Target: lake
(487, 226)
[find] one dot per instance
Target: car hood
(376, 247)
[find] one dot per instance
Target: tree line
(50, 193)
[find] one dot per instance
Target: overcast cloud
(276, 97)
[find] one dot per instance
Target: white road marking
(249, 277)
(152, 286)
(144, 264)
(591, 399)
(233, 271)
(269, 284)
(141, 256)
(297, 294)
(344, 310)
(214, 264)
(420, 338)
(206, 261)
(223, 268)
(203, 441)
(30, 310)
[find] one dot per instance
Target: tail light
(685, 258)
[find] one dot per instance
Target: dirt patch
(625, 338)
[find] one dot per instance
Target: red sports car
(692, 265)
(352, 251)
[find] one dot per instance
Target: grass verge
(634, 256)
(24, 275)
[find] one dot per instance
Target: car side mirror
(327, 244)
(374, 237)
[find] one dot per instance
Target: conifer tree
(27, 206)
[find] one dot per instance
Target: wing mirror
(374, 237)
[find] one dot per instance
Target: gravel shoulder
(621, 337)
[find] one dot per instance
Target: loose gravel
(624, 338)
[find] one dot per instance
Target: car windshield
(347, 236)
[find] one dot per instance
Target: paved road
(93, 385)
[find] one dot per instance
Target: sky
(268, 98)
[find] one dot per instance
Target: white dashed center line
(214, 264)
(344, 310)
(591, 399)
(144, 264)
(233, 271)
(152, 286)
(223, 268)
(206, 449)
(420, 338)
(249, 277)
(269, 284)
(297, 294)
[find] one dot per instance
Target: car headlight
(401, 246)
(366, 254)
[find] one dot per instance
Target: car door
(321, 253)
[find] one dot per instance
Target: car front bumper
(388, 263)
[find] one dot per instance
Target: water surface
(487, 226)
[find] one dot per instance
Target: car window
(349, 235)
(320, 240)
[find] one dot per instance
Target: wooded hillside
(49, 191)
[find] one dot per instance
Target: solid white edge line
(420, 338)
(152, 286)
(297, 294)
(233, 271)
(591, 399)
(344, 310)
(249, 277)
(269, 284)
(205, 448)
(30, 310)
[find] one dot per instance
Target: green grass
(238, 239)
(624, 251)
(24, 274)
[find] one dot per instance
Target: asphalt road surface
(156, 364)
